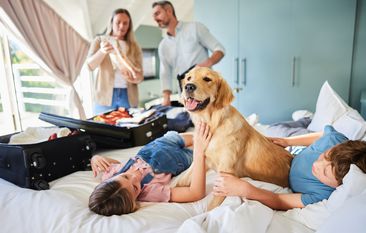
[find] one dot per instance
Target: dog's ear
(182, 76)
(224, 95)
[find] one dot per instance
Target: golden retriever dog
(235, 147)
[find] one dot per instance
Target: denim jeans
(166, 154)
(119, 99)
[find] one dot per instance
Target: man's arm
(166, 98)
(215, 58)
(165, 77)
(212, 44)
(229, 185)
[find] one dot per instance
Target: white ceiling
(90, 17)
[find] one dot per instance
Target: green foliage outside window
(19, 57)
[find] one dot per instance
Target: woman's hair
(133, 51)
(343, 155)
(165, 4)
(110, 198)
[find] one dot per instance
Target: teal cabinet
(279, 53)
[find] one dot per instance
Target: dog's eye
(188, 78)
(207, 79)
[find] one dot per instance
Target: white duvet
(63, 208)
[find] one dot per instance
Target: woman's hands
(229, 185)
(106, 47)
(101, 164)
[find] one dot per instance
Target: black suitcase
(34, 165)
(111, 136)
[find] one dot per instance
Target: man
(186, 44)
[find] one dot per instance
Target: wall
(148, 37)
(358, 78)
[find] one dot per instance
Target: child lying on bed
(146, 177)
(315, 172)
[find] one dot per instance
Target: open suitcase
(112, 136)
(34, 165)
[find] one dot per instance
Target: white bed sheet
(63, 208)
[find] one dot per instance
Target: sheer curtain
(56, 44)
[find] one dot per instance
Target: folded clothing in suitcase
(34, 165)
(115, 136)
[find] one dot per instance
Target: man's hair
(343, 155)
(110, 198)
(165, 4)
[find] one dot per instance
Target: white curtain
(57, 45)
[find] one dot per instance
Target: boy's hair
(343, 155)
(165, 4)
(110, 198)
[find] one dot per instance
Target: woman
(119, 59)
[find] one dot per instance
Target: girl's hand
(229, 185)
(279, 141)
(201, 138)
(99, 164)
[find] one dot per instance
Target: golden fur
(235, 147)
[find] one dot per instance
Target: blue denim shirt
(166, 154)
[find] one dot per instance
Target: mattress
(63, 208)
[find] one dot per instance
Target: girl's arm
(300, 140)
(187, 138)
(229, 185)
(101, 164)
(197, 188)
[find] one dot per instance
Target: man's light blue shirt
(188, 47)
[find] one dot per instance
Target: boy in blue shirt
(315, 172)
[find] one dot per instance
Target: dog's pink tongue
(191, 104)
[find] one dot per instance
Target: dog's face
(203, 88)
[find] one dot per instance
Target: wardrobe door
(265, 46)
(221, 18)
(323, 32)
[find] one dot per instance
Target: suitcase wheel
(41, 185)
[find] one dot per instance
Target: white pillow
(329, 107)
(297, 115)
(314, 215)
(354, 182)
(351, 124)
(350, 217)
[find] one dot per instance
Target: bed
(63, 208)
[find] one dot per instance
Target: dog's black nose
(190, 88)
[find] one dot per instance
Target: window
(150, 63)
(34, 91)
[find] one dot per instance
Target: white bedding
(63, 208)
